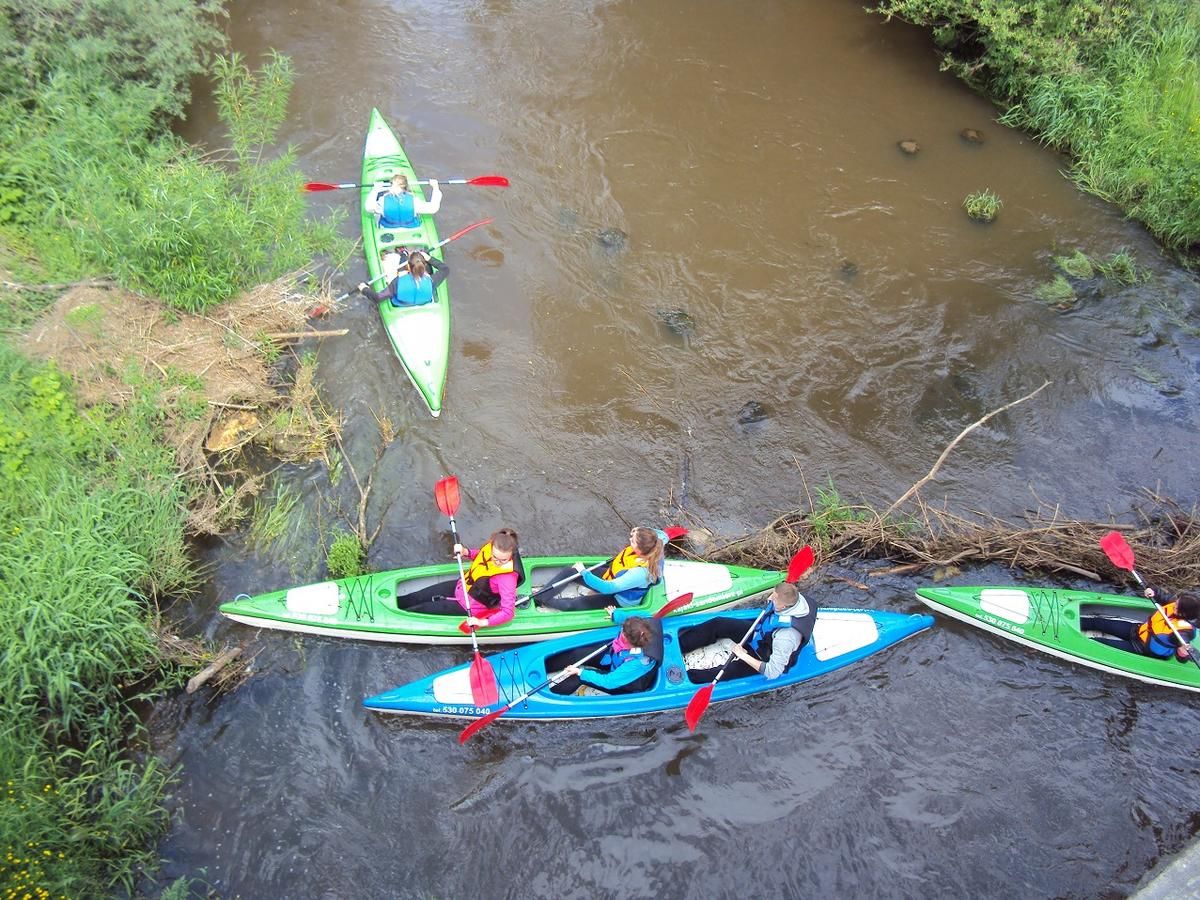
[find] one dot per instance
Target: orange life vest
(626, 559)
(1156, 635)
(483, 567)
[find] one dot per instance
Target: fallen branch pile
(915, 536)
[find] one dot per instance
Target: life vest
(799, 616)
(649, 656)
(1155, 636)
(478, 577)
(626, 559)
(413, 291)
(398, 211)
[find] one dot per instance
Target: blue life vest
(398, 211)
(800, 616)
(649, 657)
(411, 292)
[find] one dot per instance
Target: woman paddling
(491, 583)
(1153, 637)
(412, 285)
(626, 578)
(397, 207)
(630, 664)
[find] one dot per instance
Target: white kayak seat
(1010, 604)
(314, 599)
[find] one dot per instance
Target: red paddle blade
(445, 493)
(489, 181)
(1117, 549)
(313, 186)
(480, 724)
(800, 563)
(679, 602)
(696, 707)
(483, 682)
(674, 532)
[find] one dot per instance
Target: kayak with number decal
(840, 637)
(1048, 619)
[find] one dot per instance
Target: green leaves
(1115, 83)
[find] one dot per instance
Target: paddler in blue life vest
(626, 578)
(1154, 636)
(396, 205)
(412, 275)
(491, 584)
(774, 647)
(630, 664)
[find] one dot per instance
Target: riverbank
(1115, 85)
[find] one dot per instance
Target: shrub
(345, 557)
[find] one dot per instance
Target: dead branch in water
(366, 536)
(1166, 543)
(954, 443)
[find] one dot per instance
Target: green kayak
(420, 335)
(1048, 619)
(365, 607)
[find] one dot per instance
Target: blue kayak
(840, 637)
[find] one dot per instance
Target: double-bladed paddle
(441, 243)
(799, 564)
(485, 721)
(1117, 549)
(483, 679)
(478, 181)
(672, 532)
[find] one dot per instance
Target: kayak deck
(365, 607)
(840, 637)
(1048, 619)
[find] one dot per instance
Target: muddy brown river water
(781, 251)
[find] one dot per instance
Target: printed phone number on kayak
(463, 710)
(1001, 623)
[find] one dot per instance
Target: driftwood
(954, 443)
(914, 536)
(223, 659)
(299, 335)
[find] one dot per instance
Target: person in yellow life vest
(624, 579)
(491, 582)
(1154, 636)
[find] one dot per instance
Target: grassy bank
(1115, 84)
(92, 182)
(92, 521)
(93, 185)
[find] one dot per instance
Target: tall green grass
(94, 189)
(91, 522)
(1115, 84)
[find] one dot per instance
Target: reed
(982, 205)
(91, 517)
